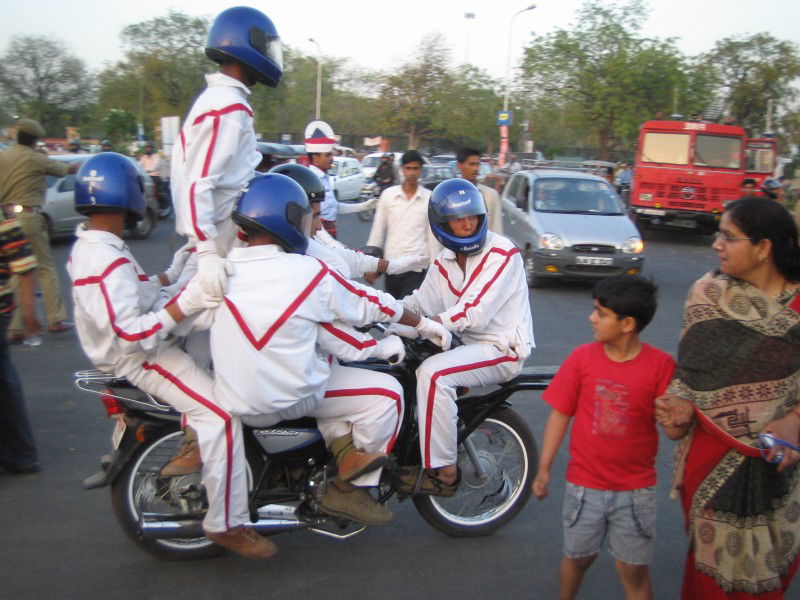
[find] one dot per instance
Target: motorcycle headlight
(633, 245)
(551, 241)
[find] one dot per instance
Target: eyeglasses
(726, 238)
(767, 442)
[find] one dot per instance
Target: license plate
(119, 431)
(594, 260)
(653, 211)
(683, 223)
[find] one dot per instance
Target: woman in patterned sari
(738, 376)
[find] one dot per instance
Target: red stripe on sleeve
(486, 287)
(361, 293)
(349, 339)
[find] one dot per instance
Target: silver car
(569, 225)
(348, 177)
(59, 202)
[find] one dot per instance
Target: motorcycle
(369, 190)
(289, 466)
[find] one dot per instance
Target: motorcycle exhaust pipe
(154, 526)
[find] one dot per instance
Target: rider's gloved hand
(193, 298)
(407, 262)
(390, 348)
(178, 262)
(405, 331)
(212, 269)
(435, 332)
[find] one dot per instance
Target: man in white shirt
(400, 226)
(319, 147)
(468, 162)
(216, 153)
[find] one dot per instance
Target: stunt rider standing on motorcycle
(124, 332)
(271, 344)
(216, 153)
(477, 288)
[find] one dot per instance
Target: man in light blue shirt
(319, 147)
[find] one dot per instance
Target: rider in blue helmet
(216, 154)
(109, 182)
(477, 288)
(456, 200)
(247, 36)
(276, 205)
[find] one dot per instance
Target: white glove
(389, 348)
(194, 298)
(406, 331)
(435, 332)
(212, 269)
(178, 262)
(407, 262)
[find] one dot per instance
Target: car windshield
(577, 196)
(334, 168)
(671, 148)
(371, 161)
(718, 151)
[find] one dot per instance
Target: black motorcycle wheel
(137, 488)
(507, 450)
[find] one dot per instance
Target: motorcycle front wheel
(506, 450)
(140, 489)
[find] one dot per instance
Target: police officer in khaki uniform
(23, 177)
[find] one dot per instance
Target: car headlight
(551, 241)
(633, 245)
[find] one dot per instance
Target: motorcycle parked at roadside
(289, 465)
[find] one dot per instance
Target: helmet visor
(268, 45)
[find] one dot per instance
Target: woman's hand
(673, 411)
(786, 429)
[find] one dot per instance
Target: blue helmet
(455, 199)
(277, 205)
(247, 35)
(109, 182)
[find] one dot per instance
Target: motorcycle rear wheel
(507, 450)
(137, 488)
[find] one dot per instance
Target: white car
(372, 161)
(58, 208)
(348, 177)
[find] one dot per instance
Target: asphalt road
(59, 541)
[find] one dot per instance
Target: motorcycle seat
(264, 421)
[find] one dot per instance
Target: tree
(119, 125)
(411, 97)
(467, 115)
(751, 70)
(612, 78)
(41, 79)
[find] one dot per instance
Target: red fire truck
(685, 171)
(759, 160)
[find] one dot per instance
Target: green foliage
(41, 79)
(752, 69)
(119, 125)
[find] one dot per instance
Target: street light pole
(319, 76)
(469, 17)
(501, 158)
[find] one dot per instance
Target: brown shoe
(60, 327)
(354, 462)
(186, 461)
(409, 481)
(350, 502)
(244, 541)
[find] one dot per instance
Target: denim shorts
(627, 519)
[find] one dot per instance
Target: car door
(515, 209)
(59, 206)
(347, 180)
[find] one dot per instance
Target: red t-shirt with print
(614, 439)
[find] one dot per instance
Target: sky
(379, 34)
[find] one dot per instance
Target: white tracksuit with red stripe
(122, 333)
(487, 304)
(271, 341)
(214, 157)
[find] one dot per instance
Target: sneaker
(355, 504)
(186, 461)
(406, 480)
(244, 541)
(60, 327)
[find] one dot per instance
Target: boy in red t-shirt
(609, 387)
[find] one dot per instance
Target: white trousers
(172, 376)
(364, 403)
(471, 365)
